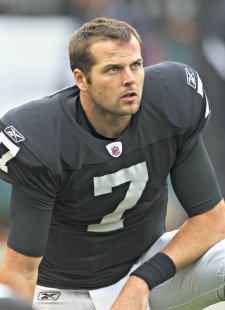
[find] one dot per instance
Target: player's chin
(130, 110)
(128, 107)
(133, 106)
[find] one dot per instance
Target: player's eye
(136, 65)
(113, 70)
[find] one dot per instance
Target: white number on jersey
(137, 175)
(12, 151)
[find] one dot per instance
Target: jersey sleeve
(176, 104)
(194, 181)
(21, 164)
(30, 221)
(198, 113)
(192, 175)
(34, 180)
(34, 189)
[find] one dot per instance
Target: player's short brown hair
(84, 37)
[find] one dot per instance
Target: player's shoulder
(173, 77)
(173, 91)
(36, 127)
(40, 109)
(174, 71)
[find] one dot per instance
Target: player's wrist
(156, 270)
(139, 284)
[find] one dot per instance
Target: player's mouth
(129, 96)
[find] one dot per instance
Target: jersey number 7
(137, 175)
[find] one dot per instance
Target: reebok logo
(48, 295)
(190, 78)
(14, 134)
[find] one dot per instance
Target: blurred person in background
(88, 167)
(179, 30)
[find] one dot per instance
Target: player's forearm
(23, 286)
(20, 272)
(133, 296)
(196, 236)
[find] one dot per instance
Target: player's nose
(128, 77)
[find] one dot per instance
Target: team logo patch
(14, 134)
(190, 78)
(115, 149)
(48, 295)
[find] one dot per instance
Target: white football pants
(195, 287)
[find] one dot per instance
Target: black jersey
(104, 202)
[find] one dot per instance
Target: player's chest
(136, 176)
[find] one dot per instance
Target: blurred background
(34, 60)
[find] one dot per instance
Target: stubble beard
(115, 108)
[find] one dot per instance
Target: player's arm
(30, 221)
(194, 238)
(196, 187)
(195, 184)
(197, 236)
(34, 188)
(20, 272)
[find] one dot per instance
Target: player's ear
(80, 79)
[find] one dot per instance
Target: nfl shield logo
(114, 149)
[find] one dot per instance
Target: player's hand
(134, 295)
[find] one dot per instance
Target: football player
(88, 167)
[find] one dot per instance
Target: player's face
(117, 77)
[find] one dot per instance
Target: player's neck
(105, 123)
(108, 127)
